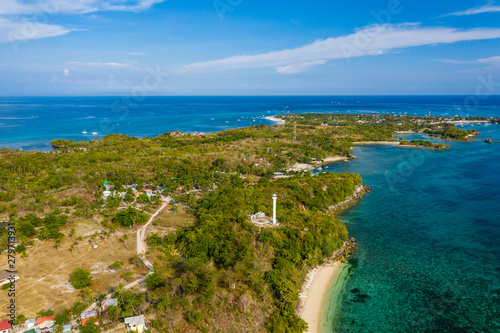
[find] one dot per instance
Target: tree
(62, 318)
(94, 237)
(77, 243)
(154, 281)
(57, 243)
(90, 327)
(72, 233)
(80, 278)
(85, 294)
(104, 235)
(72, 248)
(124, 239)
(111, 233)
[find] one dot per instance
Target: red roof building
(45, 321)
(5, 326)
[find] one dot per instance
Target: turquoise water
(428, 257)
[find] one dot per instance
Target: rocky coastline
(351, 200)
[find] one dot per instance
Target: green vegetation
(212, 261)
(116, 265)
(425, 144)
(451, 132)
(80, 278)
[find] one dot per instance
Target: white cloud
(297, 68)
(30, 14)
(16, 7)
(18, 31)
(488, 8)
(369, 41)
(137, 53)
(97, 64)
(65, 72)
(137, 6)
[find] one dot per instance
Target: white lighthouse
(274, 208)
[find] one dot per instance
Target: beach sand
(305, 166)
(318, 285)
(377, 143)
(277, 121)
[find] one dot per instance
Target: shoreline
(305, 166)
(319, 282)
(277, 121)
(327, 279)
(393, 143)
(320, 279)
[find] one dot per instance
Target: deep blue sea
(428, 233)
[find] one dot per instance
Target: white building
(259, 215)
(135, 324)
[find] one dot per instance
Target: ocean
(31, 123)
(428, 258)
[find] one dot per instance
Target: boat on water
(94, 133)
(84, 132)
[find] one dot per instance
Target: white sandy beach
(314, 292)
(305, 166)
(334, 159)
(278, 121)
(394, 143)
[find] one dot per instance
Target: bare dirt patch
(45, 273)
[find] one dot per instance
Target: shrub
(80, 278)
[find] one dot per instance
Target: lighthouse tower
(274, 208)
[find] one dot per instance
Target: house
(30, 323)
(67, 327)
(45, 322)
(85, 316)
(6, 277)
(106, 194)
(259, 215)
(5, 326)
(108, 302)
(135, 324)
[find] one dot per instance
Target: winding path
(141, 250)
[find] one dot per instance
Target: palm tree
(111, 233)
(124, 239)
(85, 293)
(72, 233)
(44, 232)
(104, 234)
(57, 243)
(94, 237)
(78, 240)
(71, 248)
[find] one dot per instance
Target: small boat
(213, 118)
(94, 133)
(84, 132)
(227, 121)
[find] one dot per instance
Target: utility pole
(295, 132)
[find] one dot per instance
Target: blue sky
(249, 47)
